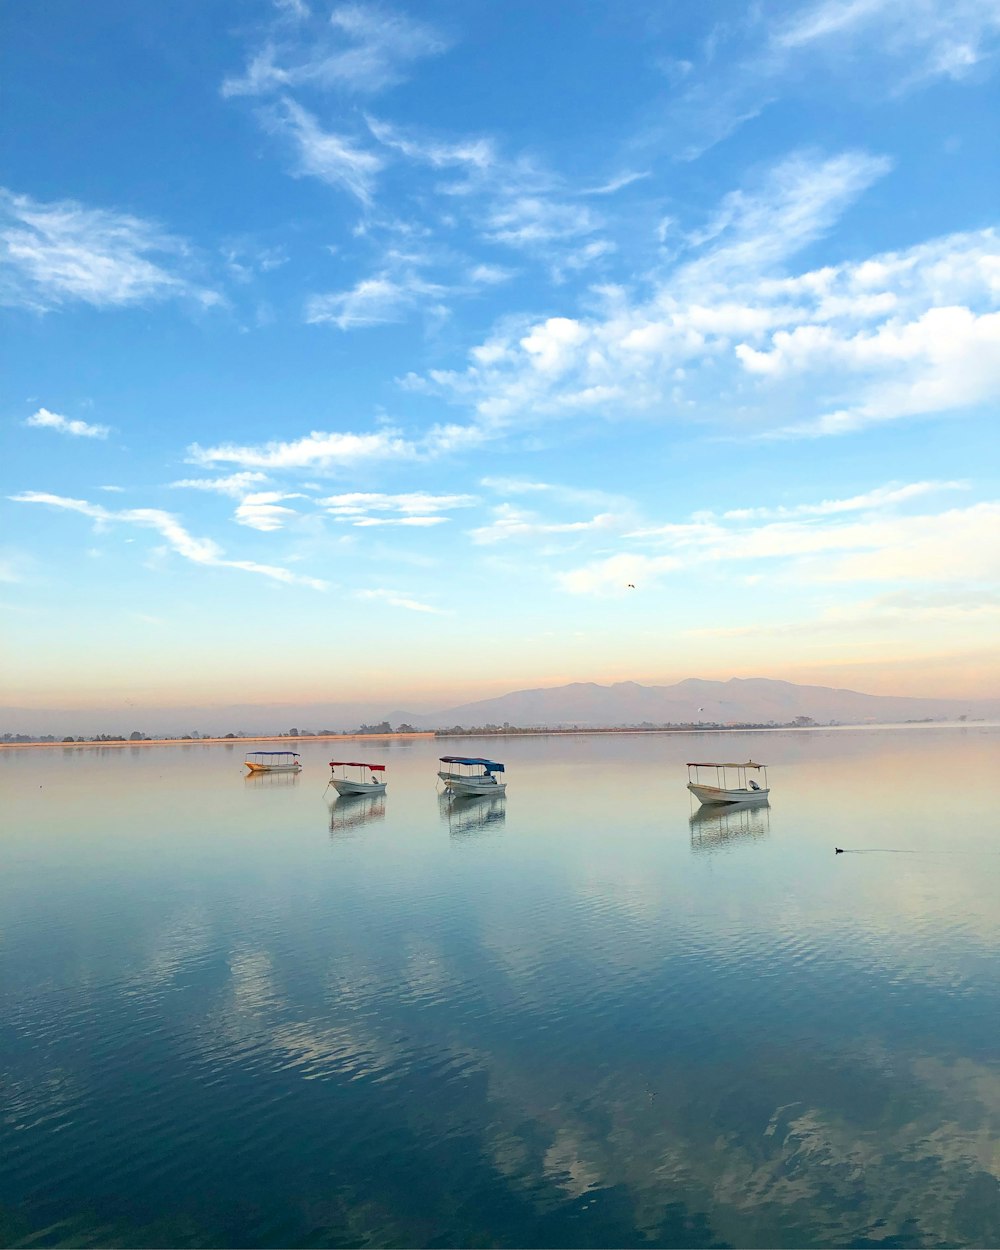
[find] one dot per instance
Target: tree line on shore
(384, 727)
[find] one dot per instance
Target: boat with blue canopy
(272, 762)
(470, 775)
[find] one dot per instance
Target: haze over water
(239, 1014)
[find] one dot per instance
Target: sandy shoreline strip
(197, 742)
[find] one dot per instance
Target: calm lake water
(236, 1014)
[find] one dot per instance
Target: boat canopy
(489, 765)
(375, 768)
(295, 753)
(713, 764)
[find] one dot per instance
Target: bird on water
(838, 850)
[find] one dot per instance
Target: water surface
(237, 1013)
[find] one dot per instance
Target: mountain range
(587, 705)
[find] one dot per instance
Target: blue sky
(438, 351)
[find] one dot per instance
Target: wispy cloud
(360, 49)
(512, 201)
(814, 544)
(204, 551)
(616, 184)
(796, 202)
(320, 449)
(45, 420)
(235, 484)
(892, 335)
(395, 599)
(264, 510)
(878, 47)
(534, 220)
(333, 158)
(476, 154)
(880, 497)
(511, 524)
(62, 252)
(414, 504)
(560, 493)
(925, 39)
(379, 300)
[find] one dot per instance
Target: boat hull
(273, 768)
(343, 786)
(469, 787)
(715, 794)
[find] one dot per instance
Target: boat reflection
(268, 781)
(465, 815)
(713, 827)
(350, 811)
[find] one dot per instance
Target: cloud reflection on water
(593, 1031)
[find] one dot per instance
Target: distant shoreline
(513, 733)
(197, 742)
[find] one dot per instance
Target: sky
(431, 352)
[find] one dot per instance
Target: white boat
(479, 777)
(731, 783)
(356, 778)
(272, 762)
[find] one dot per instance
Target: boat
(272, 762)
(745, 790)
(355, 781)
(471, 783)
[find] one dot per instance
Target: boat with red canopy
(356, 777)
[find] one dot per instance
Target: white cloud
(511, 201)
(490, 275)
(927, 39)
(880, 497)
(359, 49)
(617, 183)
(532, 220)
(511, 523)
(263, 510)
(322, 154)
(61, 252)
(416, 503)
(396, 599)
(799, 200)
(421, 522)
(616, 574)
(869, 48)
(45, 420)
(892, 335)
(947, 358)
(381, 300)
(319, 449)
(235, 484)
(815, 545)
(198, 550)
(571, 495)
(475, 153)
